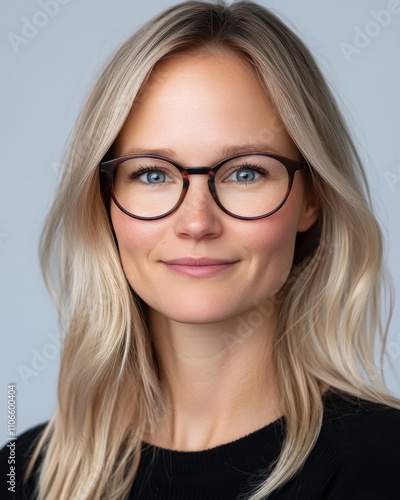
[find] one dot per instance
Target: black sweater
(356, 457)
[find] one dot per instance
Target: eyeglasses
(246, 186)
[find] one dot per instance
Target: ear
(309, 213)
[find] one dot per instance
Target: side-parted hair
(329, 306)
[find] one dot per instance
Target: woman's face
(193, 110)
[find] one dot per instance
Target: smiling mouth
(201, 267)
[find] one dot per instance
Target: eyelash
(256, 168)
(144, 170)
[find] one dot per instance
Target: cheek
(277, 233)
(135, 241)
(276, 238)
(272, 244)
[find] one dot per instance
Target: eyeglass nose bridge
(209, 171)
(199, 171)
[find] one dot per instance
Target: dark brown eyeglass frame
(107, 168)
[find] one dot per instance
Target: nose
(199, 216)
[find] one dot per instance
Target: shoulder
(363, 422)
(14, 459)
(365, 437)
(23, 445)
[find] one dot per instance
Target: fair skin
(213, 334)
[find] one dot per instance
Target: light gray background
(45, 81)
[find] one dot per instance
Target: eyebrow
(247, 148)
(226, 151)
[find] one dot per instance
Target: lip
(199, 267)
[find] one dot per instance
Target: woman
(218, 269)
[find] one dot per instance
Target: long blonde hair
(108, 393)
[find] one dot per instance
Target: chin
(195, 313)
(195, 318)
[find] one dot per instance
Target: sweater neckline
(266, 442)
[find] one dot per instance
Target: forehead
(202, 100)
(195, 58)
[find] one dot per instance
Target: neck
(218, 380)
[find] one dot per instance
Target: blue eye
(244, 174)
(153, 177)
